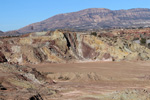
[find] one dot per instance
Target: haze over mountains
(1, 31)
(93, 18)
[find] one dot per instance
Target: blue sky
(15, 14)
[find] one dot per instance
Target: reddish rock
(88, 52)
(106, 55)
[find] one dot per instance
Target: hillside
(62, 47)
(1, 32)
(93, 18)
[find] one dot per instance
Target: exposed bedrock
(62, 47)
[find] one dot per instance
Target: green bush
(143, 41)
(94, 33)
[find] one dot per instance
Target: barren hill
(1, 32)
(93, 18)
(10, 33)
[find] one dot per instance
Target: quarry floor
(94, 80)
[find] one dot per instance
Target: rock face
(94, 18)
(62, 47)
(23, 83)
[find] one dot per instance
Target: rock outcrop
(62, 47)
(23, 83)
(129, 94)
(93, 18)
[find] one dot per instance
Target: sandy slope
(107, 69)
(87, 80)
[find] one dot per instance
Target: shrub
(94, 33)
(143, 41)
(148, 45)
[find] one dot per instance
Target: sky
(15, 14)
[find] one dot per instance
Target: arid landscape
(100, 80)
(75, 50)
(62, 65)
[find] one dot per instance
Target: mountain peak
(93, 18)
(96, 9)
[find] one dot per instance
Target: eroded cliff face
(23, 83)
(63, 47)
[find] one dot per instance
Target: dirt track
(97, 78)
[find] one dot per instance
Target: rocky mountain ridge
(10, 33)
(93, 18)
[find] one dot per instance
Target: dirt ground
(94, 80)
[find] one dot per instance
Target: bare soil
(93, 80)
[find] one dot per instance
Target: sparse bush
(136, 39)
(143, 41)
(140, 27)
(94, 33)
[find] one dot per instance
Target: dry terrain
(99, 80)
(63, 65)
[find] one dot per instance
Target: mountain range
(92, 18)
(1, 32)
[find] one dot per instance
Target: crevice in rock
(36, 97)
(2, 87)
(68, 43)
(2, 58)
